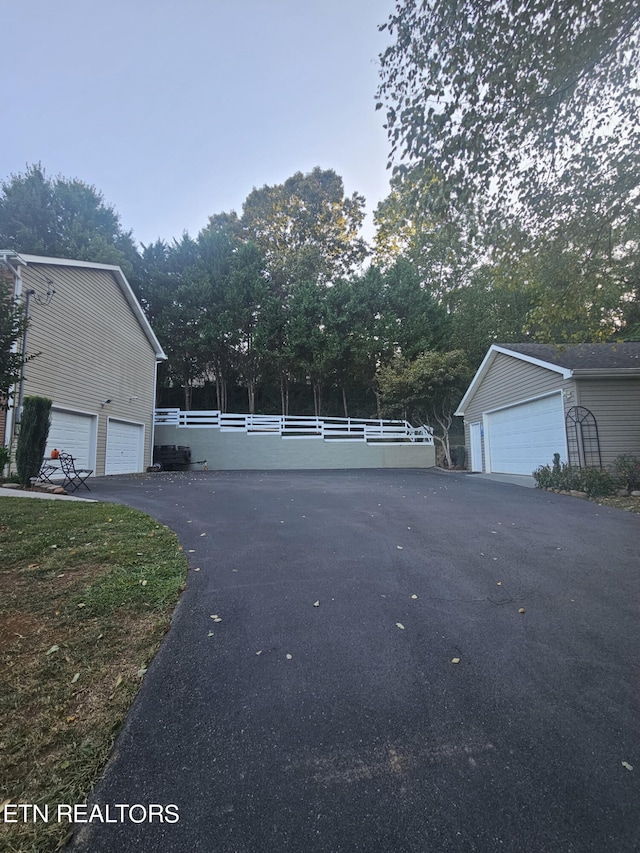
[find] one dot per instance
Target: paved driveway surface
(347, 726)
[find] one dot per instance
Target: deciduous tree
(306, 212)
(530, 105)
(63, 218)
(426, 390)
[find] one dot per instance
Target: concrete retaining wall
(238, 451)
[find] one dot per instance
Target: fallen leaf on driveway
(627, 766)
(316, 604)
(455, 660)
(521, 610)
(399, 547)
(259, 653)
(289, 657)
(400, 625)
(499, 583)
(215, 617)
(414, 596)
(210, 634)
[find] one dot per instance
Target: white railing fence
(288, 426)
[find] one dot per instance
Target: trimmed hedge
(32, 438)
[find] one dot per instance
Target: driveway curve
(370, 683)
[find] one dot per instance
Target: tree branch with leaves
(426, 391)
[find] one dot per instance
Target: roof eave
(606, 372)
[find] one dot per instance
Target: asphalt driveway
(372, 685)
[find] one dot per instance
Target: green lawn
(86, 595)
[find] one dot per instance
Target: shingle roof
(582, 356)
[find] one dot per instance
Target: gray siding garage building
(529, 401)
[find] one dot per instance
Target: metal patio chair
(46, 472)
(73, 477)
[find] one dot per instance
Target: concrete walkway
(22, 493)
(525, 480)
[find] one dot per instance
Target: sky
(176, 109)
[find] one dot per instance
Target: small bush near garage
(595, 482)
(626, 472)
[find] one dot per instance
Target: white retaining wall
(238, 451)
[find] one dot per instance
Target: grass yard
(86, 596)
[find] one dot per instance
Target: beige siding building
(95, 357)
(529, 401)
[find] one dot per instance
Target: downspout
(153, 412)
(27, 308)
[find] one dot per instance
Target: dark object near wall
(171, 457)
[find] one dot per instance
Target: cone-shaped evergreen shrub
(32, 438)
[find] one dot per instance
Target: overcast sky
(176, 109)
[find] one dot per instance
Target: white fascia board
(488, 360)
(120, 277)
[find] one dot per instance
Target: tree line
(284, 308)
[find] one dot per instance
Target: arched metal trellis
(583, 442)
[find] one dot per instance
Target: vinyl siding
(91, 348)
(508, 381)
(615, 404)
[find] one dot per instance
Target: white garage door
(125, 447)
(525, 436)
(75, 434)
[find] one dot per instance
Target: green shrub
(594, 481)
(4, 458)
(597, 482)
(543, 477)
(625, 470)
(32, 438)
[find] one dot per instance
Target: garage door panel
(75, 434)
(525, 436)
(125, 447)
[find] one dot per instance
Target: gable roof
(121, 281)
(571, 361)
